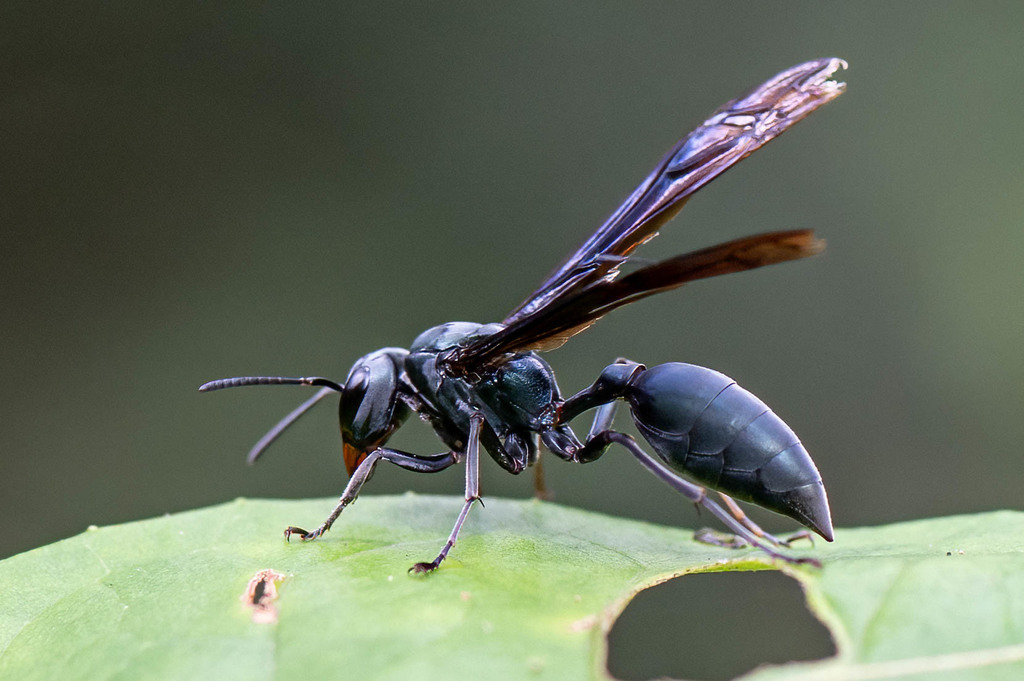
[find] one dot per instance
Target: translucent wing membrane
(567, 315)
(584, 287)
(736, 130)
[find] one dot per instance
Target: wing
(584, 287)
(736, 130)
(567, 315)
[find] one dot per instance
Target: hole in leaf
(715, 626)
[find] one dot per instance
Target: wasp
(485, 386)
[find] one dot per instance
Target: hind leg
(695, 493)
(707, 535)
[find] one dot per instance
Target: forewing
(732, 133)
(584, 288)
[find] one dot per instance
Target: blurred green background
(190, 193)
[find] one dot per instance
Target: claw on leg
(303, 534)
(423, 568)
(289, 531)
(725, 540)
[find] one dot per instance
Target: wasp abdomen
(705, 426)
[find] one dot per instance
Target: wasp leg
(595, 442)
(695, 493)
(540, 488)
(709, 536)
(797, 536)
(602, 419)
(412, 462)
(739, 514)
(472, 492)
(706, 535)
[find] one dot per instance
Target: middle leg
(472, 493)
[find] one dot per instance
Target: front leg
(412, 462)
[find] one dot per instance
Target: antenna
(282, 425)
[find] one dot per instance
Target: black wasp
(485, 385)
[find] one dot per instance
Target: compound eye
(368, 401)
(358, 380)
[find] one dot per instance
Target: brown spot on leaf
(261, 594)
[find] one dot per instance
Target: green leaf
(530, 591)
(931, 599)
